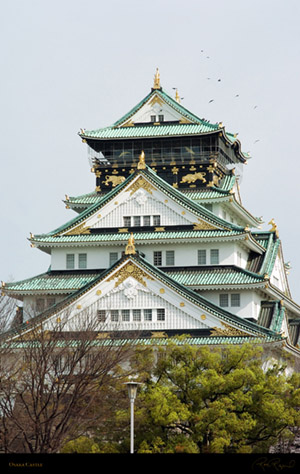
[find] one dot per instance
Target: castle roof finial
(130, 247)
(177, 97)
(156, 84)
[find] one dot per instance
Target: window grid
(214, 256)
(157, 258)
(125, 314)
(160, 314)
(114, 315)
(82, 260)
(201, 257)
(147, 314)
(136, 221)
(224, 301)
(70, 261)
(127, 221)
(170, 257)
(101, 315)
(235, 300)
(136, 315)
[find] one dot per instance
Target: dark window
(223, 301)
(125, 315)
(101, 315)
(161, 314)
(148, 314)
(136, 315)
(157, 258)
(114, 315)
(156, 220)
(137, 221)
(147, 220)
(127, 221)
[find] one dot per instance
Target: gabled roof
(83, 201)
(185, 124)
(140, 268)
(163, 186)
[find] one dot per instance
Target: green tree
(200, 399)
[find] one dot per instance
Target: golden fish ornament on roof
(156, 84)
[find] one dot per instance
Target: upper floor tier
(185, 150)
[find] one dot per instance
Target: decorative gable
(155, 111)
(149, 204)
(135, 296)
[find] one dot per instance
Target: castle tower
(163, 243)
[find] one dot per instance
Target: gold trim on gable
(141, 183)
(202, 225)
(128, 124)
(81, 229)
(156, 100)
(184, 120)
(227, 331)
(130, 270)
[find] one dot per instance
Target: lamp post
(132, 390)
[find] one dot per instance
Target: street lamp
(132, 389)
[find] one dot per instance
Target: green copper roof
(122, 237)
(149, 131)
(214, 276)
(196, 127)
(66, 282)
(58, 282)
(272, 245)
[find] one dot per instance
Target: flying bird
(211, 101)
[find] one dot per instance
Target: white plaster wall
(250, 302)
(185, 254)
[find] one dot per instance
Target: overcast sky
(73, 64)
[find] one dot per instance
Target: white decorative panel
(141, 203)
(132, 295)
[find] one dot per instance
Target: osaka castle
(163, 245)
